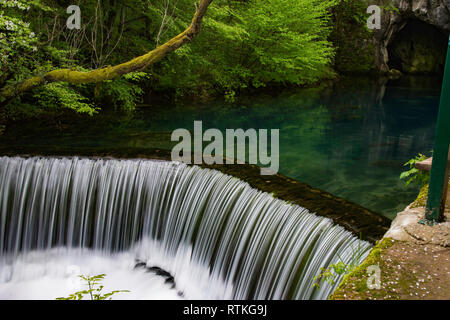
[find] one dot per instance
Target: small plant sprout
(94, 291)
(334, 271)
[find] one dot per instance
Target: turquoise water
(350, 139)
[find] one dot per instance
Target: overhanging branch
(111, 72)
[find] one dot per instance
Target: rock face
(423, 52)
(169, 279)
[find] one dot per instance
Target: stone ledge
(405, 227)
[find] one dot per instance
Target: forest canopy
(241, 45)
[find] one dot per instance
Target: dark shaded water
(350, 139)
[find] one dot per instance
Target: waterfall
(219, 237)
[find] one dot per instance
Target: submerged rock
(169, 279)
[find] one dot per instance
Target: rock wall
(435, 13)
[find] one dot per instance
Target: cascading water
(218, 237)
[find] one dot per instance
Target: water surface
(350, 139)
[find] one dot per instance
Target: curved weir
(218, 237)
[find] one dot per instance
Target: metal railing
(437, 192)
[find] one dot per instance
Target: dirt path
(423, 271)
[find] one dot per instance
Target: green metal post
(437, 192)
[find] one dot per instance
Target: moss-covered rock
(409, 270)
(421, 200)
(354, 284)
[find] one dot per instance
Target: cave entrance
(418, 48)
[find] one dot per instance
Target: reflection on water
(350, 139)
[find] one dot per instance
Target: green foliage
(94, 291)
(253, 44)
(334, 271)
(242, 45)
(17, 41)
(63, 95)
(288, 41)
(23, 54)
(389, 6)
(351, 38)
(125, 92)
(414, 175)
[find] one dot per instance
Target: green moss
(356, 281)
(399, 277)
(421, 200)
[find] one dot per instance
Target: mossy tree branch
(111, 72)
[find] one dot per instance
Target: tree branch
(111, 72)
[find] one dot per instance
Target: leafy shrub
(63, 95)
(123, 93)
(253, 44)
(17, 41)
(414, 175)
